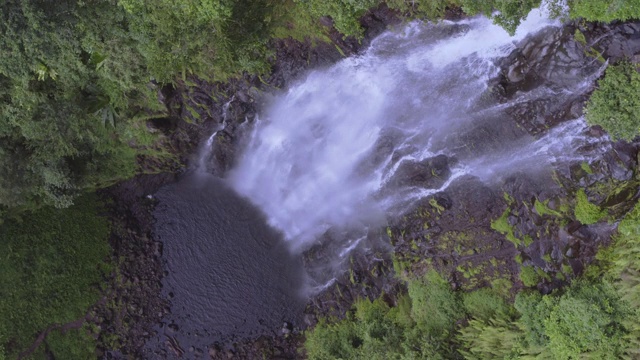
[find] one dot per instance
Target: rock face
(557, 60)
(430, 173)
(477, 232)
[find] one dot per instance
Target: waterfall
(205, 151)
(338, 150)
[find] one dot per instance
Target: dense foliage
(418, 328)
(587, 320)
(71, 85)
(77, 82)
(605, 10)
(597, 317)
(615, 105)
(51, 269)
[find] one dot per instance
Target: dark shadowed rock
(430, 173)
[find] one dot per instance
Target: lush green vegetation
(419, 327)
(605, 10)
(71, 89)
(78, 79)
(615, 105)
(586, 212)
(51, 270)
(620, 264)
(587, 320)
(596, 317)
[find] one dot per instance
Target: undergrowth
(50, 273)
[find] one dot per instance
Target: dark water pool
(229, 274)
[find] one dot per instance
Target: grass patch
(52, 264)
(433, 202)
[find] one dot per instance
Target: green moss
(433, 202)
(579, 37)
(508, 198)
(502, 226)
(527, 240)
(529, 276)
(542, 208)
(518, 259)
(585, 166)
(586, 212)
(400, 267)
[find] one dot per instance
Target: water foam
(324, 152)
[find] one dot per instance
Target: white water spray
(325, 154)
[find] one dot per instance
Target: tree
(615, 105)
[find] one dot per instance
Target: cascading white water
(325, 153)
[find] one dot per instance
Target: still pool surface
(229, 274)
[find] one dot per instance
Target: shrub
(534, 309)
(605, 10)
(623, 269)
(418, 328)
(436, 307)
(484, 304)
(511, 11)
(491, 339)
(586, 212)
(529, 276)
(344, 13)
(338, 340)
(615, 105)
(76, 344)
(587, 319)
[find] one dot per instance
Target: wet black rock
(429, 173)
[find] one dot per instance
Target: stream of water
(328, 153)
